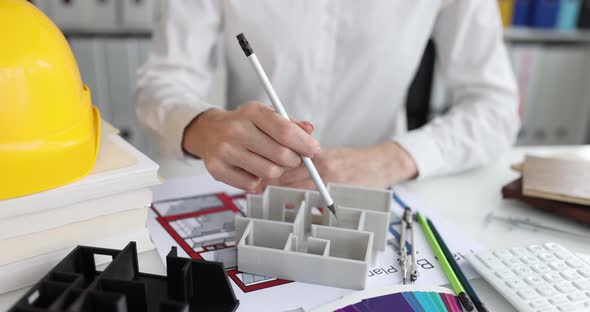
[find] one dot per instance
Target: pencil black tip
(244, 44)
(332, 209)
(465, 302)
(480, 307)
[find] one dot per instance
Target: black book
(584, 20)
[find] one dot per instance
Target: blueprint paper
(196, 214)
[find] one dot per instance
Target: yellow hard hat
(49, 130)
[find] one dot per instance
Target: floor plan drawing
(280, 237)
(203, 226)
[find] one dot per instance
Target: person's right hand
(248, 145)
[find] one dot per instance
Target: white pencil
(276, 103)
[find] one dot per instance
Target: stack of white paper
(107, 208)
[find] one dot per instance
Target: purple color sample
(385, 303)
(349, 308)
(362, 307)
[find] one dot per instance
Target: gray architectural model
(280, 238)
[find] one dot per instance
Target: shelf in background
(531, 35)
(511, 34)
(119, 32)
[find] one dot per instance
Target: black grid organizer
(76, 285)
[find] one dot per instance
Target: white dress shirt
(343, 65)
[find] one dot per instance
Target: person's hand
(248, 145)
(377, 166)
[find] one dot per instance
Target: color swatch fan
(401, 299)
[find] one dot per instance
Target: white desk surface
(467, 197)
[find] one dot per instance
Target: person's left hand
(378, 166)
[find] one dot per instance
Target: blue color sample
(569, 12)
(413, 301)
(425, 301)
(522, 12)
(440, 305)
(545, 13)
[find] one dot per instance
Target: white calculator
(537, 278)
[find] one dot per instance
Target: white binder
(84, 15)
(68, 15)
(137, 14)
(563, 88)
(43, 5)
(101, 15)
(553, 83)
(90, 55)
(122, 56)
(217, 89)
(145, 45)
(152, 148)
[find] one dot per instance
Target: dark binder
(545, 13)
(580, 213)
(584, 19)
(522, 12)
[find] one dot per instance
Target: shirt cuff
(176, 122)
(423, 148)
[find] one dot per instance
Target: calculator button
(558, 265)
(490, 260)
(527, 294)
(520, 252)
(565, 256)
(534, 280)
(555, 247)
(511, 262)
(547, 291)
(503, 254)
(522, 270)
(539, 303)
(547, 257)
(567, 307)
(570, 275)
(558, 300)
(552, 277)
(515, 283)
(486, 256)
(575, 297)
(575, 263)
(536, 248)
(582, 284)
(565, 287)
(541, 268)
(494, 265)
(585, 272)
(530, 260)
(504, 274)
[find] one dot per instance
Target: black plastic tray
(76, 285)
